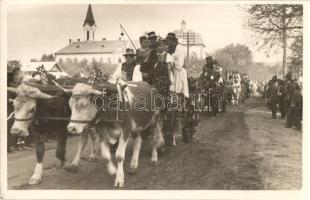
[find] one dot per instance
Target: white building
(50, 67)
(195, 41)
(106, 51)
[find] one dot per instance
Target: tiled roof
(97, 47)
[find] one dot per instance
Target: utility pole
(284, 29)
(187, 61)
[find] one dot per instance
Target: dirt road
(242, 149)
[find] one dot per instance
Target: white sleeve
(169, 58)
(178, 58)
(117, 74)
(137, 75)
(185, 83)
(220, 79)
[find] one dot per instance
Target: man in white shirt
(179, 85)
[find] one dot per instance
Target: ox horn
(68, 91)
(97, 92)
(11, 89)
(42, 95)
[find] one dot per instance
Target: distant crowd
(286, 97)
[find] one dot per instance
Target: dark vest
(128, 69)
(148, 66)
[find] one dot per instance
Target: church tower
(89, 24)
(183, 25)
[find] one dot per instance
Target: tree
(46, 57)
(296, 58)
(274, 24)
(33, 60)
(234, 57)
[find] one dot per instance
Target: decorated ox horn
(97, 92)
(68, 91)
(11, 89)
(32, 90)
(42, 95)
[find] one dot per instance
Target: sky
(34, 30)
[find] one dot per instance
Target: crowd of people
(285, 96)
(158, 61)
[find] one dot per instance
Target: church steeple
(183, 25)
(89, 24)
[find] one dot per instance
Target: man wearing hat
(142, 55)
(172, 42)
(296, 107)
(148, 66)
(290, 91)
(152, 38)
(273, 95)
(143, 52)
(180, 85)
(160, 74)
(129, 65)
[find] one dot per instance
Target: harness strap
(119, 91)
(25, 119)
(11, 115)
(82, 121)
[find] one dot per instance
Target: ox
(37, 112)
(134, 119)
(252, 89)
(31, 108)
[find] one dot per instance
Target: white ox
(134, 120)
(253, 88)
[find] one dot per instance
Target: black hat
(288, 76)
(171, 36)
(209, 58)
(143, 37)
(129, 52)
(152, 34)
(274, 77)
(161, 41)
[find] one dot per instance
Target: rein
(62, 119)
